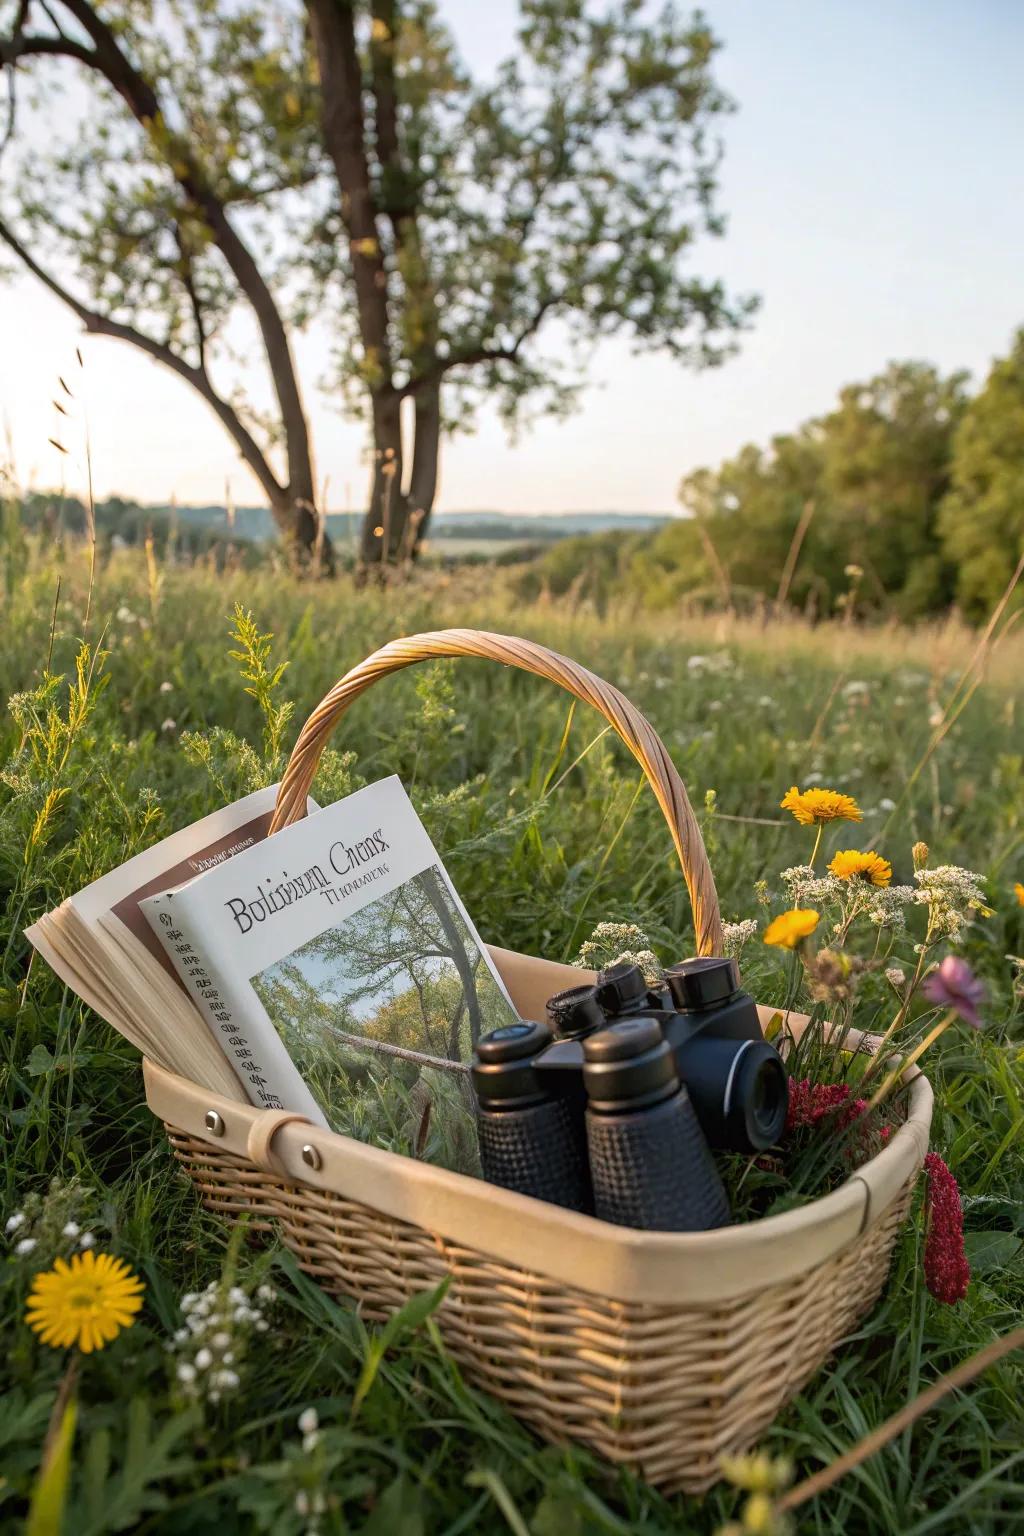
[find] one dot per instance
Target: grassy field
(542, 848)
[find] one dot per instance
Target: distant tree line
(906, 498)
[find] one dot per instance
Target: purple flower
(954, 985)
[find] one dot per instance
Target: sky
(874, 191)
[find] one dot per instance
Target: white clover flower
(86, 1240)
(71, 1229)
(204, 1359)
(309, 1420)
(735, 935)
(14, 1222)
(166, 687)
(186, 1373)
(25, 1246)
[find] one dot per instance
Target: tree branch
(107, 58)
(481, 354)
(97, 324)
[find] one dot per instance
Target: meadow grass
(545, 835)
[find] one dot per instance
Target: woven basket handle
(639, 737)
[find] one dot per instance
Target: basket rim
(557, 1246)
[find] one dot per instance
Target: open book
(99, 943)
(338, 943)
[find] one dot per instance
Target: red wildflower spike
(946, 1270)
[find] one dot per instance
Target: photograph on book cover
(400, 984)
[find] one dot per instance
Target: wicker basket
(658, 1350)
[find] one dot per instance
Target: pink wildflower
(946, 1270)
(954, 985)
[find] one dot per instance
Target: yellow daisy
(852, 865)
(86, 1302)
(811, 806)
(1018, 891)
(790, 928)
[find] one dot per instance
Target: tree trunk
(299, 526)
(401, 512)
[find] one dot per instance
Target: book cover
(337, 944)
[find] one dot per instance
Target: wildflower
(805, 888)
(14, 1222)
(166, 687)
(789, 929)
(896, 976)
(855, 572)
(266, 1293)
(186, 1373)
(950, 893)
(811, 1102)
(25, 1246)
(617, 944)
(735, 935)
(71, 1229)
(86, 1241)
(125, 615)
(946, 1270)
(169, 724)
(920, 854)
(696, 663)
(309, 1421)
(204, 1359)
(833, 976)
(885, 804)
(85, 1302)
(853, 865)
(1018, 891)
(814, 806)
(310, 1442)
(954, 985)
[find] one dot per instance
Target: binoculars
(616, 1111)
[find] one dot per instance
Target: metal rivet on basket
(311, 1157)
(214, 1123)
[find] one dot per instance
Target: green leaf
(39, 1060)
(406, 1320)
(987, 1251)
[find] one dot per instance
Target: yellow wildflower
(791, 928)
(86, 1302)
(1018, 891)
(811, 806)
(870, 867)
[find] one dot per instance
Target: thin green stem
(906, 1063)
(817, 843)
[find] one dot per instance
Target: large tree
(225, 161)
(982, 518)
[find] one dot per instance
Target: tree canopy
(201, 179)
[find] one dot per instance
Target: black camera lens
(740, 1089)
(622, 989)
(575, 1012)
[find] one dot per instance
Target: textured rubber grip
(652, 1169)
(535, 1151)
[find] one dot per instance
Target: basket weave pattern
(659, 1351)
(665, 1389)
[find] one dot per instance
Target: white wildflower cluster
(951, 894)
(856, 689)
(805, 888)
(311, 1501)
(618, 943)
(896, 976)
(886, 905)
(209, 1348)
(721, 661)
(735, 935)
(25, 1230)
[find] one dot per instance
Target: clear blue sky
(874, 188)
